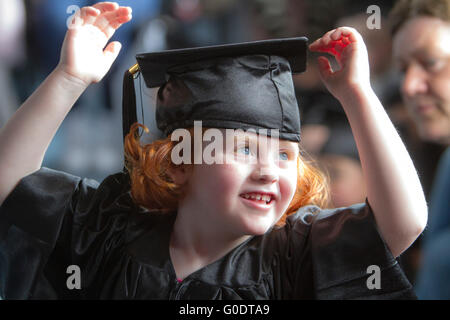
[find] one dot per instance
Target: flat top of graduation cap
(155, 65)
(244, 86)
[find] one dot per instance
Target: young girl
(239, 230)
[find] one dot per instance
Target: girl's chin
(258, 226)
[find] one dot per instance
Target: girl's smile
(257, 201)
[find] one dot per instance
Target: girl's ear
(180, 174)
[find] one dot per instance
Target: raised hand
(86, 54)
(349, 50)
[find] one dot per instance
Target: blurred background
(89, 142)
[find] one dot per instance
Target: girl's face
(250, 192)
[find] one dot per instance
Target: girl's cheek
(236, 168)
(289, 183)
(227, 176)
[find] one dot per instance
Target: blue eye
(244, 150)
(284, 156)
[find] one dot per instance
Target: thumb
(324, 67)
(111, 52)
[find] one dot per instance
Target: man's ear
(180, 174)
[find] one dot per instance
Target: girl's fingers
(106, 6)
(336, 35)
(88, 15)
(319, 48)
(326, 39)
(75, 21)
(322, 44)
(332, 47)
(345, 41)
(324, 67)
(111, 20)
(349, 33)
(334, 52)
(314, 45)
(318, 45)
(339, 46)
(120, 21)
(334, 41)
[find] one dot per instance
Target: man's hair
(405, 10)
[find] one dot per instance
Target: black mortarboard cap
(238, 86)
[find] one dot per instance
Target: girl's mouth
(258, 198)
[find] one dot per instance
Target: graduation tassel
(129, 115)
(129, 100)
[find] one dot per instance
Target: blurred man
(421, 49)
(12, 53)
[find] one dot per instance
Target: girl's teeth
(258, 197)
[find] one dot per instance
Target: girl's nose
(265, 171)
(415, 81)
(264, 175)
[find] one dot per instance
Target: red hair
(153, 189)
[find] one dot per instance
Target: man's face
(422, 52)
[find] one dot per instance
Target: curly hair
(408, 9)
(152, 187)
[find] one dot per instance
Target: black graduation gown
(53, 220)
